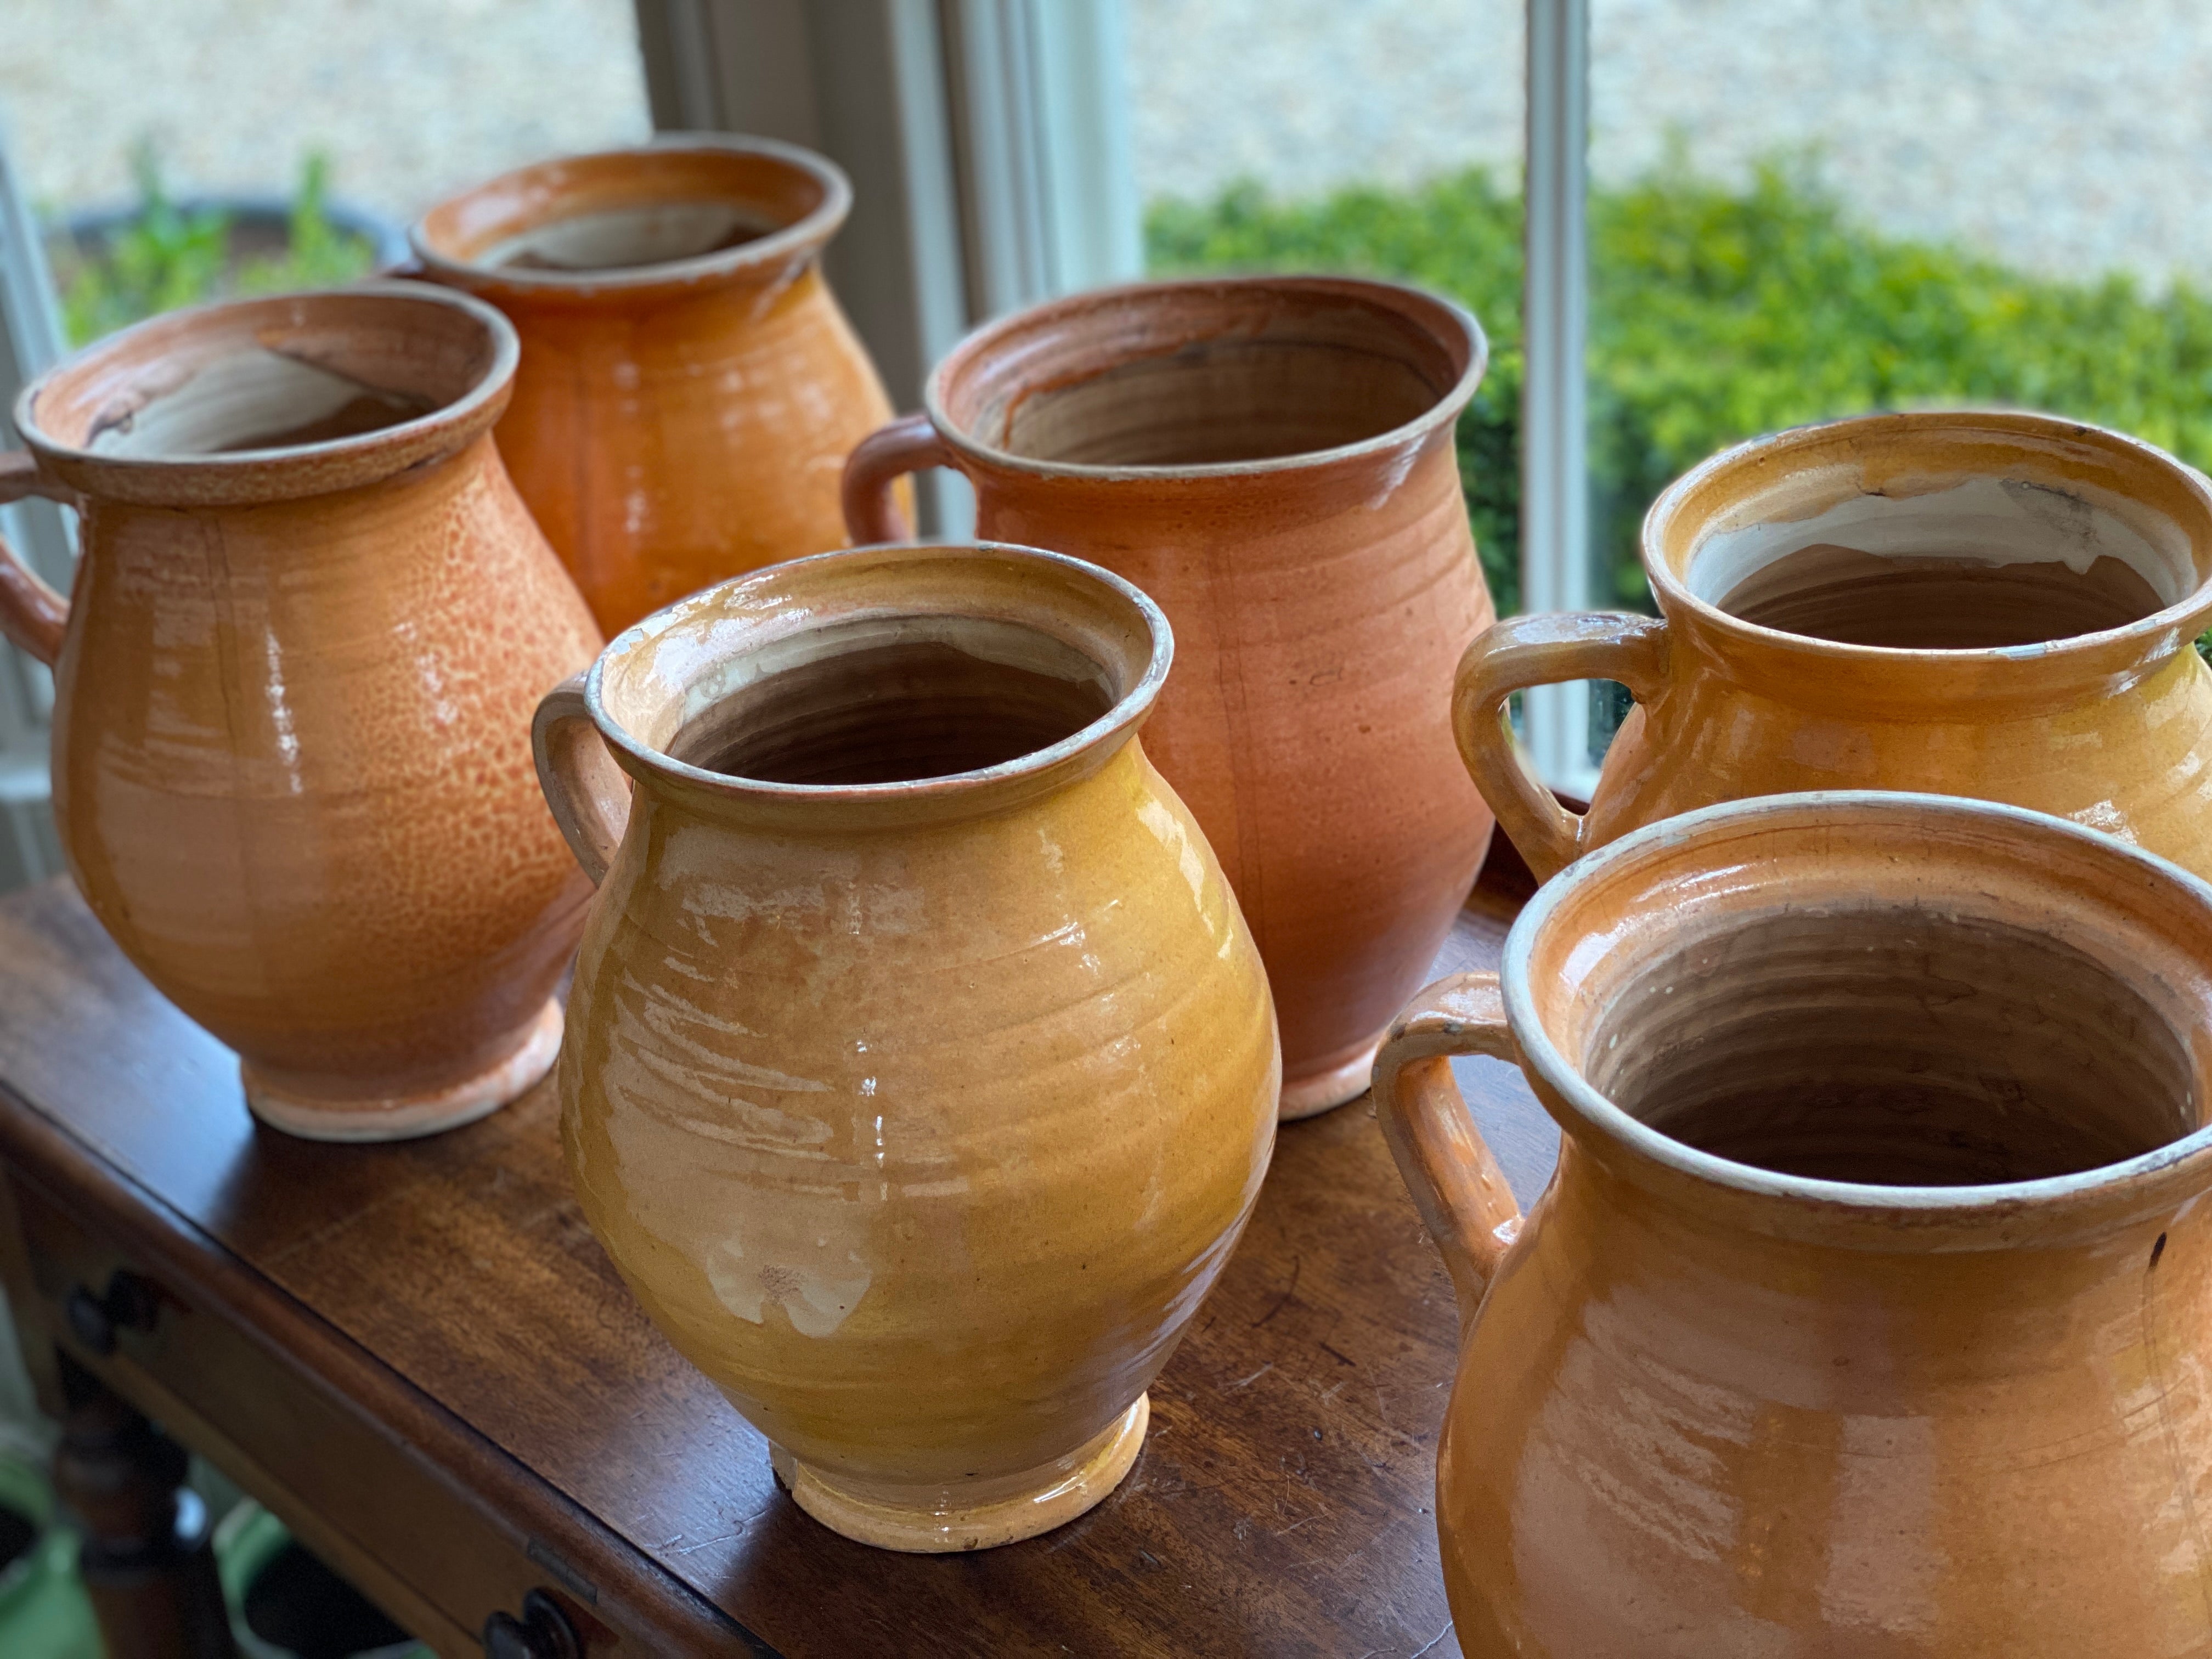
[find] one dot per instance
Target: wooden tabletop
(449, 1288)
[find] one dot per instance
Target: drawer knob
(130, 1303)
(542, 1633)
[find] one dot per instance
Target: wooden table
(418, 1358)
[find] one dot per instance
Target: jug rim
(2129, 1181)
(2101, 651)
(278, 472)
(949, 794)
(1400, 297)
(804, 235)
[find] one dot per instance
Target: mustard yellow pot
(1986, 604)
(1870, 1311)
(920, 1072)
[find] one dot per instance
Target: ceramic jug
(1985, 604)
(1272, 459)
(921, 1072)
(293, 686)
(689, 387)
(1869, 1309)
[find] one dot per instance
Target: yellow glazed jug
(1869, 1311)
(1986, 604)
(920, 1072)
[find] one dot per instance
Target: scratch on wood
(1433, 1640)
(1297, 1264)
(1246, 1382)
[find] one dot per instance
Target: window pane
(1802, 209)
(1382, 139)
(393, 104)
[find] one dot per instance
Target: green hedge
(1720, 313)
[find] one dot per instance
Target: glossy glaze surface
(2110, 727)
(919, 1115)
(1271, 459)
(292, 770)
(689, 387)
(1708, 1407)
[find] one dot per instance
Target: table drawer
(354, 1490)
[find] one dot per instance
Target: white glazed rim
(1128, 713)
(1869, 1200)
(2183, 619)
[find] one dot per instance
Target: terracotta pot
(292, 692)
(1272, 459)
(921, 1073)
(689, 387)
(1993, 604)
(1865, 1313)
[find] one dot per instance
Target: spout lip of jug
(773, 249)
(1797, 666)
(947, 796)
(1029, 334)
(108, 385)
(1859, 1214)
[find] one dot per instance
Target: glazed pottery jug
(921, 1072)
(1867, 1311)
(1272, 459)
(1982, 604)
(293, 687)
(689, 387)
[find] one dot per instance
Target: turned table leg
(147, 1563)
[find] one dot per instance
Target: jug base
(1324, 1091)
(411, 1117)
(1062, 1491)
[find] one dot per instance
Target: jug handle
(1543, 649)
(589, 796)
(1456, 1184)
(31, 615)
(879, 461)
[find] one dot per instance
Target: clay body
(1994, 604)
(1272, 459)
(689, 387)
(1816, 1346)
(291, 764)
(921, 1072)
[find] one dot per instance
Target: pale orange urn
(921, 1072)
(1978, 603)
(293, 687)
(1868, 1313)
(689, 387)
(1272, 459)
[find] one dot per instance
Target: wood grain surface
(447, 1292)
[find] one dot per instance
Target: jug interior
(255, 399)
(897, 701)
(630, 238)
(1987, 562)
(1895, 1046)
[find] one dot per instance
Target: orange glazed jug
(1869, 1309)
(1982, 604)
(689, 387)
(1272, 459)
(291, 694)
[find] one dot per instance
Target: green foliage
(166, 257)
(1720, 313)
